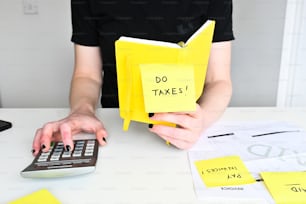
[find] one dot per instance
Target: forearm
(86, 80)
(218, 85)
(84, 94)
(214, 101)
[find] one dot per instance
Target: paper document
(263, 146)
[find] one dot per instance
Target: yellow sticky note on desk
(42, 196)
(286, 187)
(224, 171)
(168, 87)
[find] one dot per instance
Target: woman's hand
(63, 130)
(189, 127)
(215, 98)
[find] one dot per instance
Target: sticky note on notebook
(224, 171)
(38, 197)
(168, 87)
(286, 187)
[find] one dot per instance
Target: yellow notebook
(179, 87)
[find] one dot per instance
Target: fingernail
(150, 125)
(104, 139)
(68, 148)
(151, 114)
(33, 151)
(43, 146)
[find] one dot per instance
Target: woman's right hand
(63, 130)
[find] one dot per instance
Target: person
(97, 24)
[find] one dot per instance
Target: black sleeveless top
(101, 22)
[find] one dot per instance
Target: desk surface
(135, 167)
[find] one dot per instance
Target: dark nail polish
(68, 148)
(104, 139)
(151, 114)
(33, 151)
(150, 125)
(43, 146)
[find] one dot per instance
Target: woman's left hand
(189, 126)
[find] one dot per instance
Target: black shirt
(101, 22)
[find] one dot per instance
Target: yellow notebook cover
(132, 53)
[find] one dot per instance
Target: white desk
(135, 167)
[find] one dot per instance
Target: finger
(194, 113)
(177, 143)
(65, 131)
(46, 136)
(172, 132)
(36, 142)
(101, 135)
(182, 120)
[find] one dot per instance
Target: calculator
(58, 162)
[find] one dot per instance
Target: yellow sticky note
(224, 171)
(38, 197)
(286, 187)
(168, 87)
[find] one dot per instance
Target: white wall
(36, 55)
(258, 27)
(292, 81)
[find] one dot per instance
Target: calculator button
(88, 154)
(77, 154)
(89, 148)
(45, 154)
(66, 154)
(56, 154)
(42, 159)
(78, 149)
(54, 158)
(79, 145)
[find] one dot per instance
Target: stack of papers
(265, 146)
